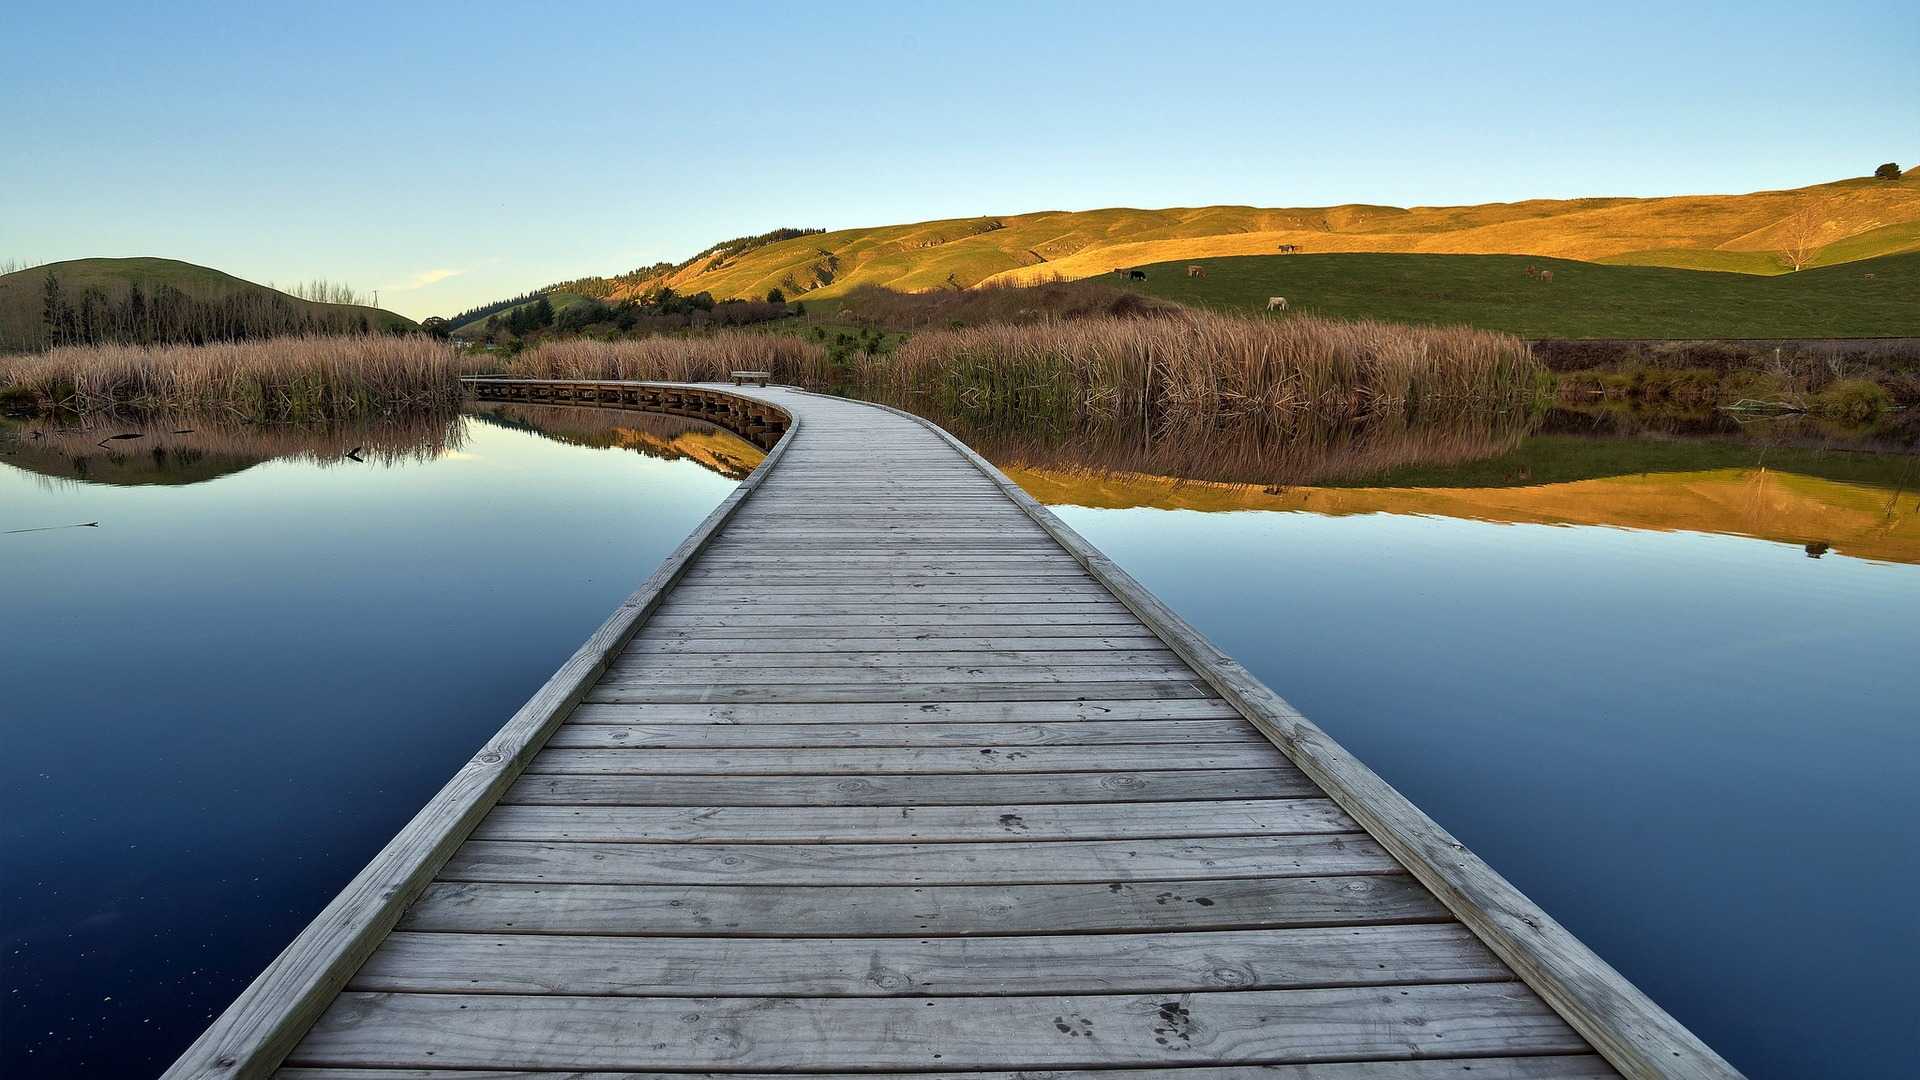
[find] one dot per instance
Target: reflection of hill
(1865, 520)
(1553, 459)
(188, 450)
(671, 438)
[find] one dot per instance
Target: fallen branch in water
(1774, 407)
(51, 528)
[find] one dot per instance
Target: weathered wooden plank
(889, 665)
(952, 586)
(1008, 822)
(1086, 733)
(869, 967)
(532, 1031)
(901, 604)
(909, 789)
(837, 693)
(757, 557)
(1034, 863)
(1555, 1067)
(921, 911)
(661, 642)
(921, 620)
(982, 672)
(807, 583)
(837, 761)
(906, 712)
(719, 667)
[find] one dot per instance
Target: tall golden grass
(677, 359)
(1213, 367)
(301, 378)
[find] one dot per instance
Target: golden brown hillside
(1843, 221)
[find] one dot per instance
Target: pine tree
(542, 312)
(51, 303)
(135, 321)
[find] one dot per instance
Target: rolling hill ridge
(21, 303)
(1837, 222)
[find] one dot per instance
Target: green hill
(1837, 222)
(475, 327)
(1877, 297)
(21, 325)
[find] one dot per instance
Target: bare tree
(1800, 235)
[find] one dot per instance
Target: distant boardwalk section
(886, 772)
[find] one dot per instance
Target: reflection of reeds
(184, 449)
(305, 378)
(675, 359)
(1308, 454)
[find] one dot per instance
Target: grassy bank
(1583, 299)
(305, 378)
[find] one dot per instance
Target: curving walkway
(896, 776)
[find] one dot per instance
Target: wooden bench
(759, 378)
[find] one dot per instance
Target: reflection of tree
(177, 449)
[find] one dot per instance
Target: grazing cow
(1289, 249)
(1201, 271)
(1546, 275)
(1533, 271)
(1869, 277)
(1276, 303)
(1136, 275)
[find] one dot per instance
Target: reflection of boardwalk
(884, 770)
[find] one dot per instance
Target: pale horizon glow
(450, 155)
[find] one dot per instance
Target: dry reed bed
(1210, 367)
(307, 378)
(675, 359)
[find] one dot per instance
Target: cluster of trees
(659, 312)
(636, 280)
(168, 316)
(523, 319)
(322, 291)
(604, 288)
(484, 310)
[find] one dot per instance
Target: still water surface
(1658, 670)
(224, 699)
(1662, 679)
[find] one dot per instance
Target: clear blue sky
(505, 147)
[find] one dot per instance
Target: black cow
(1136, 275)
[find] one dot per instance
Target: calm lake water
(1665, 683)
(1602, 651)
(221, 702)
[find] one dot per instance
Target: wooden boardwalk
(887, 773)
